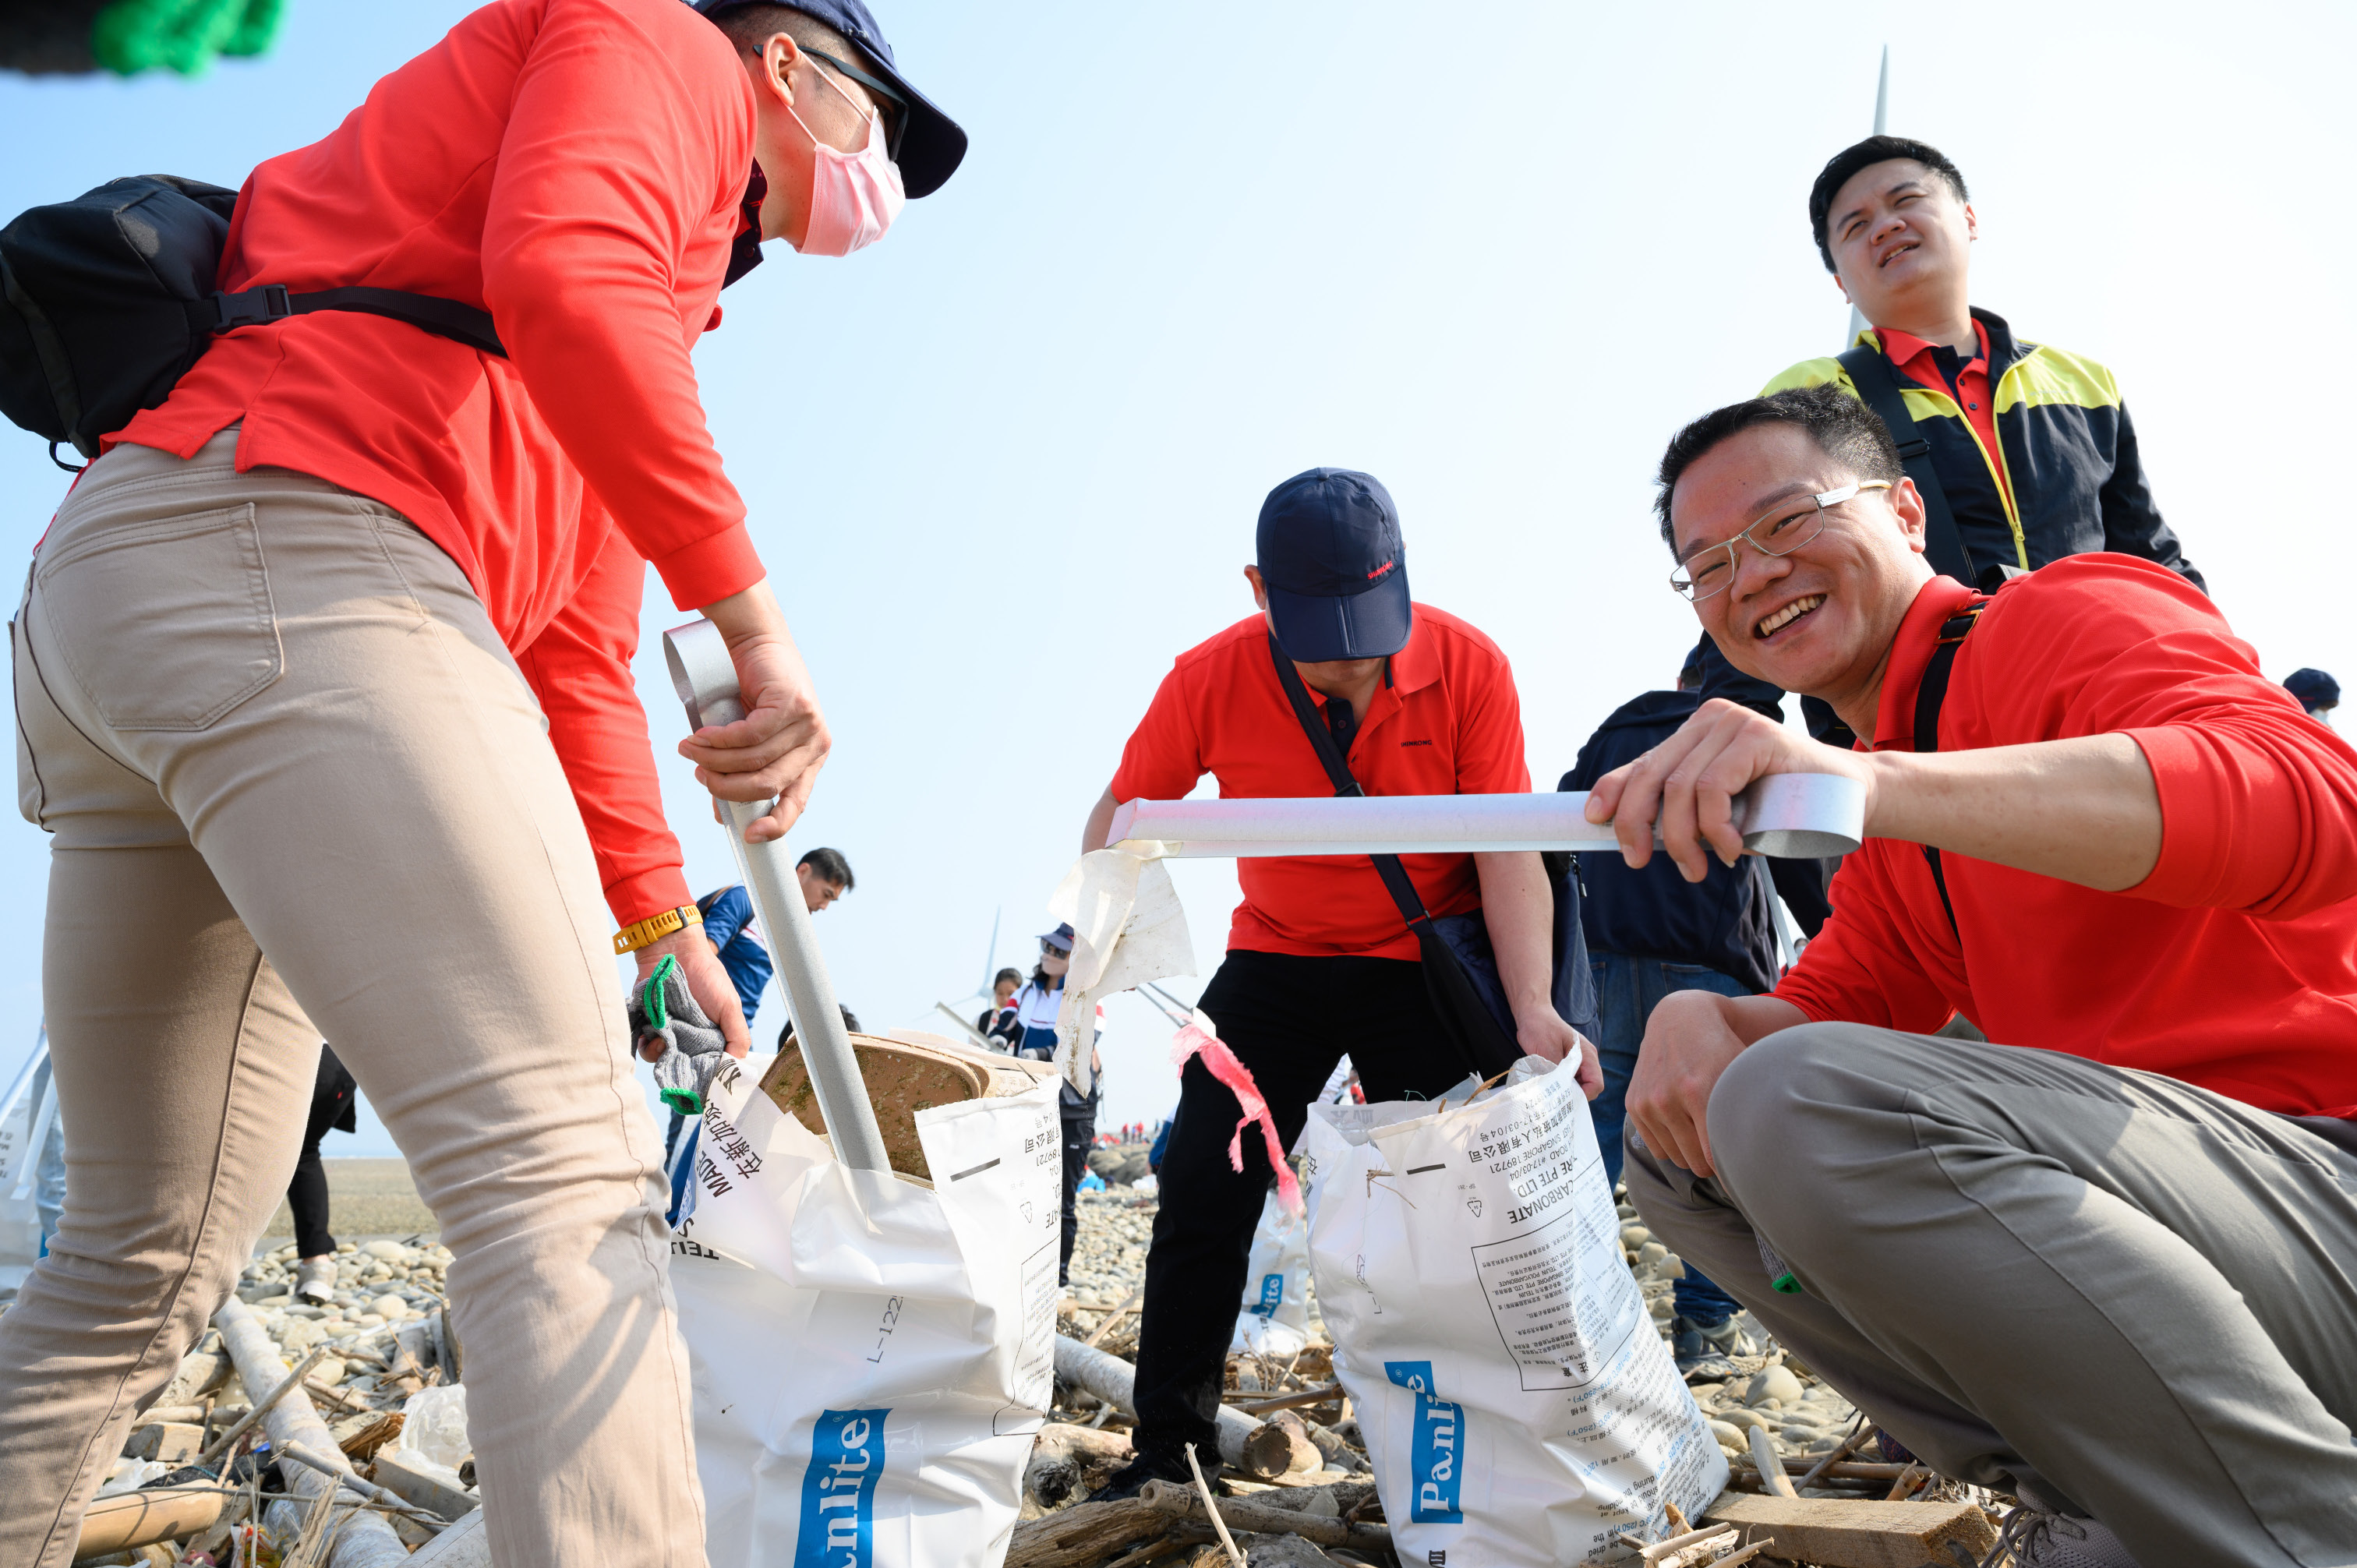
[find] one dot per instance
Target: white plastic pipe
(366, 1539)
(1795, 814)
(705, 678)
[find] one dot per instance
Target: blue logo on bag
(839, 1525)
(1436, 1453)
(1272, 1296)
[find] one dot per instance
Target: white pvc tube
(1797, 814)
(705, 678)
(366, 1541)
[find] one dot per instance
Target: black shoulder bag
(1461, 966)
(106, 300)
(1878, 387)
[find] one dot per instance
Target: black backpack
(105, 301)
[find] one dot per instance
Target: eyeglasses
(894, 106)
(1790, 525)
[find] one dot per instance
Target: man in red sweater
(2104, 1262)
(323, 687)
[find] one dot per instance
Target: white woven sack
(870, 1357)
(1275, 1319)
(1519, 1405)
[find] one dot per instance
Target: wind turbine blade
(1881, 122)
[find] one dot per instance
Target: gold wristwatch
(655, 928)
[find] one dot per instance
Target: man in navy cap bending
(1320, 958)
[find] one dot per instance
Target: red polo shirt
(2233, 966)
(1914, 358)
(1447, 721)
(575, 168)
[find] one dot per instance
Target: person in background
(334, 1101)
(826, 877)
(1035, 1009)
(2319, 694)
(1650, 932)
(998, 1021)
(2030, 445)
(1322, 960)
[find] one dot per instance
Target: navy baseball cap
(2314, 689)
(1335, 569)
(930, 145)
(1060, 939)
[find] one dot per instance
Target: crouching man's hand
(1688, 785)
(1689, 1041)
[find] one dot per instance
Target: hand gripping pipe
(706, 679)
(1802, 815)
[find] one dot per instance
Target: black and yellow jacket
(2069, 457)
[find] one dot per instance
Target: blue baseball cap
(1335, 569)
(927, 144)
(1060, 939)
(2314, 689)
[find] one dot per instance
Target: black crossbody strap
(1878, 387)
(1929, 695)
(1338, 772)
(271, 302)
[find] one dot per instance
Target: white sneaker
(315, 1280)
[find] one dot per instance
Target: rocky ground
(1772, 1390)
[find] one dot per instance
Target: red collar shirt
(2233, 966)
(1918, 360)
(575, 168)
(1447, 721)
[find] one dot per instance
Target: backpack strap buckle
(252, 307)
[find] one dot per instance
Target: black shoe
(1131, 1478)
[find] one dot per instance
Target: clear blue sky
(1004, 466)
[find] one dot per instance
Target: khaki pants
(299, 787)
(2106, 1289)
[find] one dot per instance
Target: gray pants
(2126, 1293)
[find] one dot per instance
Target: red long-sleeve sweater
(2233, 966)
(575, 168)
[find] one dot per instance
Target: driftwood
(136, 1519)
(263, 1403)
(201, 1371)
(1255, 1517)
(412, 1477)
(1839, 1533)
(1331, 1394)
(1771, 1469)
(1282, 1446)
(1067, 1458)
(1115, 1380)
(1085, 1534)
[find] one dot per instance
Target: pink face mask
(853, 196)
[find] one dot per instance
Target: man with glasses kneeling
(2104, 1263)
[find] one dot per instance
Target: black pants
(1080, 1132)
(1288, 1020)
(306, 1195)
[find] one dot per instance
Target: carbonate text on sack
(838, 1528)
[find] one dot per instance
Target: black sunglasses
(895, 107)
